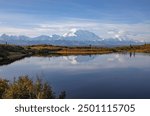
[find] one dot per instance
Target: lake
(115, 76)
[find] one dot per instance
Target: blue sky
(107, 18)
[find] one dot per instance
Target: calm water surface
(95, 76)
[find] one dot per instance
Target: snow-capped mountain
(73, 37)
(81, 35)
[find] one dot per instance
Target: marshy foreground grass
(25, 88)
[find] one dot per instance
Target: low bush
(25, 88)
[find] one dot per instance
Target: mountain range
(72, 38)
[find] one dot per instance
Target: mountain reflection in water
(91, 76)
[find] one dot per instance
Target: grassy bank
(10, 53)
(134, 48)
(63, 50)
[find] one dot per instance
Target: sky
(107, 18)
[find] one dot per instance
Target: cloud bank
(135, 31)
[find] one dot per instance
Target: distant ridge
(72, 38)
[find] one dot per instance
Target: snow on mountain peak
(71, 33)
(73, 37)
(81, 35)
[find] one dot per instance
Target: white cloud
(138, 31)
(16, 31)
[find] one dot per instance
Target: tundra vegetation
(25, 88)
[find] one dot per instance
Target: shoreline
(11, 53)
